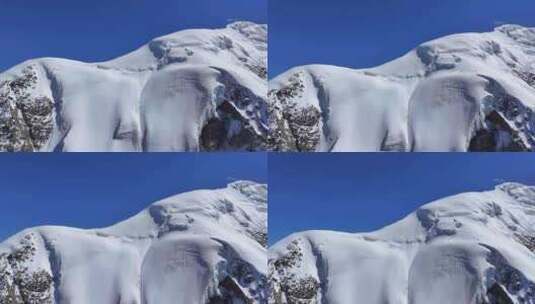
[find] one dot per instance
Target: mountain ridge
(474, 248)
(201, 246)
(187, 91)
(461, 92)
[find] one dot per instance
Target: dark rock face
(527, 240)
(259, 70)
(292, 259)
(261, 236)
(304, 126)
(280, 137)
(498, 137)
(286, 287)
(258, 194)
(526, 76)
(241, 282)
(258, 67)
(507, 119)
(228, 131)
(20, 285)
(302, 290)
(26, 122)
(231, 128)
(293, 128)
(213, 135)
(37, 115)
(497, 295)
(231, 293)
(508, 282)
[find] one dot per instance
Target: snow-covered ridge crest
(204, 246)
(196, 89)
(463, 92)
(470, 248)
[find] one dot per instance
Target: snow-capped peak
(525, 35)
(470, 248)
(229, 45)
(196, 89)
(462, 92)
(253, 31)
(195, 247)
(518, 190)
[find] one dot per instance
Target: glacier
(203, 246)
(470, 248)
(193, 90)
(463, 92)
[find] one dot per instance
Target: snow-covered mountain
(464, 92)
(471, 248)
(205, 246)
(193, 90)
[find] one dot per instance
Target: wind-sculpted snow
(188, 91)
(465, 92)
(471, 248)
(205, 246)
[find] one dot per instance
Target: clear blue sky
(99, 30)
(357, 192)
(99, 189)
(365, 33)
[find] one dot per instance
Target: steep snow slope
(192, 90)
(205, 246)
(471, 248)
(465, 92)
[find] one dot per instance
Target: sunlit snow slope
(471, 248)
(205, 246)
(193, 90)
(465, 92)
